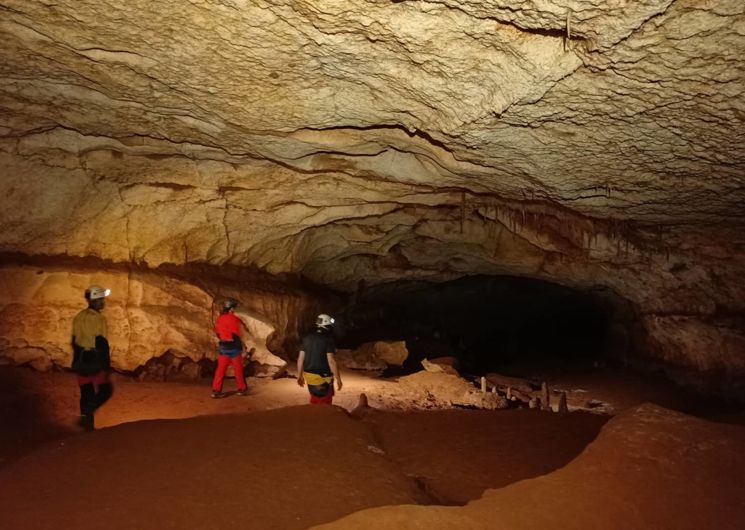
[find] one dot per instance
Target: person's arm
(334, 369)
(242, 332)
(76, 351)
(104, 353)
(300, 363)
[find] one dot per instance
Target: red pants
(98, 379)
(222, 365)
(325, 400)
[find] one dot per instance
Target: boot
(85, 422)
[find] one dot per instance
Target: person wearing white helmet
(316, 365)
(91, 356)
(230, 349)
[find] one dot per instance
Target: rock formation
(149, 314)
(636, 474)
(584, 143)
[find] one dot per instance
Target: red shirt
(226, 325)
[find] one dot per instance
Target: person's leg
(87, 405)
(87, 399)
(237, 362)
(325, 400)
(222, 366)
(105, 390)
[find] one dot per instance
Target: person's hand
(300, 380)
(338, 384)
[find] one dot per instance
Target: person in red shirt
(230, 349)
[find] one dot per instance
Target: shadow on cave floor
(455, 455)
(26, 414)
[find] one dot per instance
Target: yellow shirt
(86, 326)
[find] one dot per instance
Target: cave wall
(584, 143)
(148, 313)
(684, 281)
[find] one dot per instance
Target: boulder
(374, 356)
(447, 365)
(393, 353)
(357, 360)
(172, 366)
(263, 363)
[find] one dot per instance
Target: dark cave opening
(491, 323)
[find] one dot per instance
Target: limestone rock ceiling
(373, 139)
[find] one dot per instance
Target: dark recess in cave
(493, 323)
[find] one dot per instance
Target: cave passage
(488, 323)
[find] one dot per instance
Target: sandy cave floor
(243, 463)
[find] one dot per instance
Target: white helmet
(229, 303)
(94, 292)
(324, 321)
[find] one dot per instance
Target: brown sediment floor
(650, 468)
(233, 462)
(292, 467)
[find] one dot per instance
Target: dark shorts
(230, 352)
(321, 394)
(98, 379)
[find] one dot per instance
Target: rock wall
(584, 143)
(683, 281)
(148, 314)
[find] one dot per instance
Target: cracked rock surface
(594, 142)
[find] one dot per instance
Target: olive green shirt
(86, 326)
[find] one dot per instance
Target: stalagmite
(483, 384)
(562, 407)
(361, 407)
(545, 396)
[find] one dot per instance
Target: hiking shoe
(216, 394)
(242, 392)
(85, 422)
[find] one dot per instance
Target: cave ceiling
(583, 141)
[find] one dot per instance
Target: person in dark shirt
(229, 349)
(316, 365)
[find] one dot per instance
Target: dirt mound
(441, 390)
(287, 468)
(649, 468)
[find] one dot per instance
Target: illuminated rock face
(350, 140)
(148, 315)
